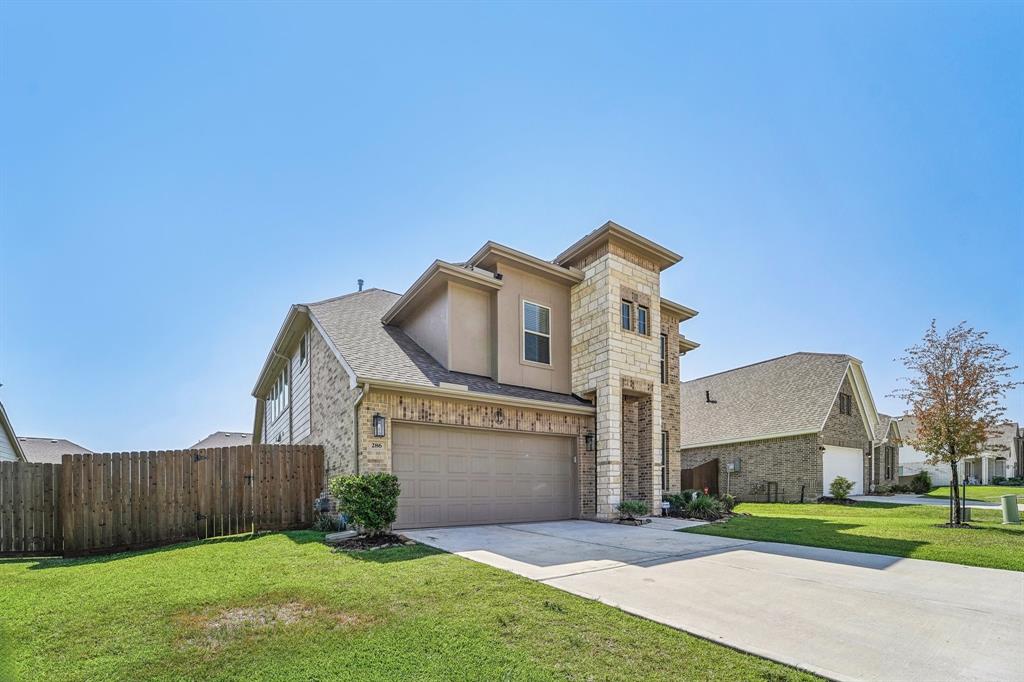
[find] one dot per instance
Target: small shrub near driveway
(369, 501)
(841, 487)
(632, 510)
(705, 508)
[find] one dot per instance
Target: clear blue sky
(174, 176)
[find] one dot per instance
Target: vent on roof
(707, 398)
(360, 283)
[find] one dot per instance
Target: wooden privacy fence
(702, 476)
(29, 508)
(108, 502)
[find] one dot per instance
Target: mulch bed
(362, 543)
(825, 499)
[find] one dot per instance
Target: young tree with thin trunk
(955, 392)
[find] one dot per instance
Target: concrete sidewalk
(843, 615)
(918, 499)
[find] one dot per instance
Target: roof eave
(684, 312)
(747, 439)
(272, 359)
(686, 345)
(424, 282)
(8, 428)
(565, 273)
(397, 386)
(656, 252)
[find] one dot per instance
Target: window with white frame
(277, 401)
(641, 320)
(304, 350)
(626, 314)
(536, 333)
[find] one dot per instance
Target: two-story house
(503, 388)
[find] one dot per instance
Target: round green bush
(840, 487)
(369, 501)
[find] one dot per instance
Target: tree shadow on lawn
(814, 533)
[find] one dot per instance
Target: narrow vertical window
(536, 333)
(641, 320)
(664, 358)
(303, 352)
(627, 315)
(664, 460)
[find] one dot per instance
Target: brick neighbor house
(503, 388)
(785, 428)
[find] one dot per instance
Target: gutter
(479, 397)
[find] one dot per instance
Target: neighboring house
(786, 428)
(50, 449)
(505, 388)
(1000, 458)
(885, 458)
(223, 439)
(10, 447)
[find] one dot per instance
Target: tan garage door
(465, 476)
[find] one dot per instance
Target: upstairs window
(304, 349)
(536, 333)
(627, 315)
(664, 359)
(277, 401)
(641, 320)
(845, 403)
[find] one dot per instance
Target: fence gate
(702, 476)
(101, 503)
(29, 509)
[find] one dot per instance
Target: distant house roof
(1000, 442)
(49, 449)
(784, 396)
(885, 422)
(375, 351)
(12, 437)
(223, 439)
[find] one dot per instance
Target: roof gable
(784, 396)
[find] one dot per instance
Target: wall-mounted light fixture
(378, 426)
(590, 438)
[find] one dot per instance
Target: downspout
(363, 390)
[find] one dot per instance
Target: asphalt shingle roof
(790, 394)
(223, 439)
(383, 352)
(882, 427)
(49, 449)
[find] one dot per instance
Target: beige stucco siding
(428, 325)
(469, 320)
(519, 286)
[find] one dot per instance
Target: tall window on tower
(536, 333)
(664, 460)
(664, 358)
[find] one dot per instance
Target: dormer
(448, 312)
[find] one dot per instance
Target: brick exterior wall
(332, 406)
(847, 430)
(670, 400)
(793, 463)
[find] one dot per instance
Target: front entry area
(451, 476)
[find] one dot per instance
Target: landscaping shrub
(728, 502)
(706, 508)
(690, 494)
(369, 501)
(676, 504)
(840, 487)
(883, 490)
(921, 483)
(327, 523)
(630, 510)
(998, 480)
(900, 488)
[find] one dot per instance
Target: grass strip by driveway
(284, 607)
(896, 530)
(982, 493)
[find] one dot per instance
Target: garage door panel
(847, 462)
(453, 476)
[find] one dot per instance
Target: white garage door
(470, 476)
(846, 462)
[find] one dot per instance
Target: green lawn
(983, 493)
(284, 607)
(897, 530)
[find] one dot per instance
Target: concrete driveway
(844, 615)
